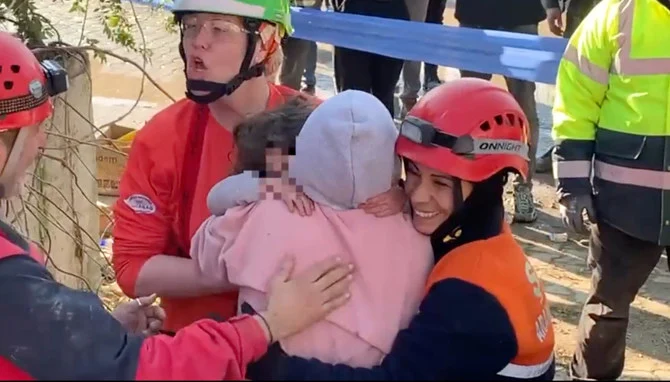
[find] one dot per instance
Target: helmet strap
(478, 217)
(216, 90)
(457, 192)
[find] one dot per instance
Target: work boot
(524, 205)
(543, 164)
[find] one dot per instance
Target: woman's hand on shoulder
(296, 303)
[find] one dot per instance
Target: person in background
(411, 70)
(49, 331)
(434, 15)
(575, 12)
(521, 16)
(611, 129)
(369, 72)
(296, 52)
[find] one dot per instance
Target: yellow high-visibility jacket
(612, 116)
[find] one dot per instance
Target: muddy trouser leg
(524, 93)
(468, 73)
(385, 72)
(295, 60)
(310, 67)
(620, 265)
(570, 26)
(411, 71)
(337, 68)
(434, 15)
(353, 69)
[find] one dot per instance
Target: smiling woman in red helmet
(187, 148)
(484, 315)
(49, 331)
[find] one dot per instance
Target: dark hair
(276, 128)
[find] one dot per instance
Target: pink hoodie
(344, 155)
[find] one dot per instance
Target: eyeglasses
(217, 30)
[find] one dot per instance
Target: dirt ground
(563, 268)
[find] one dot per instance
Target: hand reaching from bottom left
(141, 315)
(296, 303)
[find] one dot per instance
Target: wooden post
(58, 207)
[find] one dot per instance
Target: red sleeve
(143, 219)
(80, 340)
(204, 350)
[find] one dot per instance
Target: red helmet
(24, 97)
(468, 128)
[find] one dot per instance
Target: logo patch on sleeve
(140, 204)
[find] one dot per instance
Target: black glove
(571, 208)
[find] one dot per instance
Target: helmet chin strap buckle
(216, 90)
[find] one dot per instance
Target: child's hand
(389, 203)
(283, 189)
(298, 201)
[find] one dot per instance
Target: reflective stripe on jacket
(612, 116)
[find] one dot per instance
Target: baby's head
(345, 153)
(266, 141)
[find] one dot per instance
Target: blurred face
(431, 194)
(214, 45)
(14, 177)
(276, 161)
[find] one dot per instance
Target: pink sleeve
(244, 246)
(207, 247)
(261, 233)
(224, 247)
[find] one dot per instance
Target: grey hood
(345, 153)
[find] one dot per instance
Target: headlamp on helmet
(425, 134)
(57, 81)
